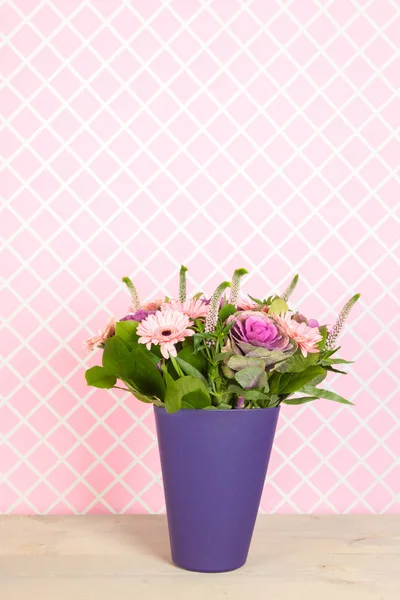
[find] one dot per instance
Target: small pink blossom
(191, 307)
(306, 337)
(102, 335)
(166, 329)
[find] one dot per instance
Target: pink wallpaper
(219, 133)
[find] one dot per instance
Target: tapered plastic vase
(214, 464)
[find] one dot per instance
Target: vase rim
(222, 410)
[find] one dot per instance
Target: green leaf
(196, 399)
(327, 353)
(173, 394)
(326, 394)
(278, 306)
(291, 382)
(251, 378)
(186, 406)
(243, 362)
(220, 356)
(270, 357)
(117, 359)
(324, 332)
(224, 406)
(198, 296)
(226, 311)
(336, 361)
(302, 400)
(155, 359)
(227, 328)
(191, 384)
(256, 300)
(138, 395)
(100, 378)
(318, 379)
(227, 371)
(273, 401)
(198, 361)
(210, 408)
(297, 363)
(145, 375)
(248, 394)
(126, 330)
(190, 370)
(273, 381)
(332, 370)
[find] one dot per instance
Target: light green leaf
(197, 399)
(126, 330)
(270, 357)
(278, 306)
(100, 378)
(326, 394)
(302, 400)
(251, 378)
(297, 363)
(243, 362)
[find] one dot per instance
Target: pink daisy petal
(307, 338)
(165, 328)
(102, 335)
(191, 307)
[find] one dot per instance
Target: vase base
(226, 570)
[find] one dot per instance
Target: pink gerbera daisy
(165, 328)
(153, 304)
(244, 302)
(102, 335)
(306, 337)
(191, 307)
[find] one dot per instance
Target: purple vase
(214, 465)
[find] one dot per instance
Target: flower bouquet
(209, 365)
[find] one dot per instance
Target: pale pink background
(222, 134)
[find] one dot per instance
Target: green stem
(177, 368)
(116, 387)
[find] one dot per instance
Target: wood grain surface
(119, 557)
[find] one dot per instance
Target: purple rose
(257, 329)
(138, 316)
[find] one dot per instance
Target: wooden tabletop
(127, 557)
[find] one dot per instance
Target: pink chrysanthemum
(306, 337)
(191, 307)
(165, 328)
(102, 335)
